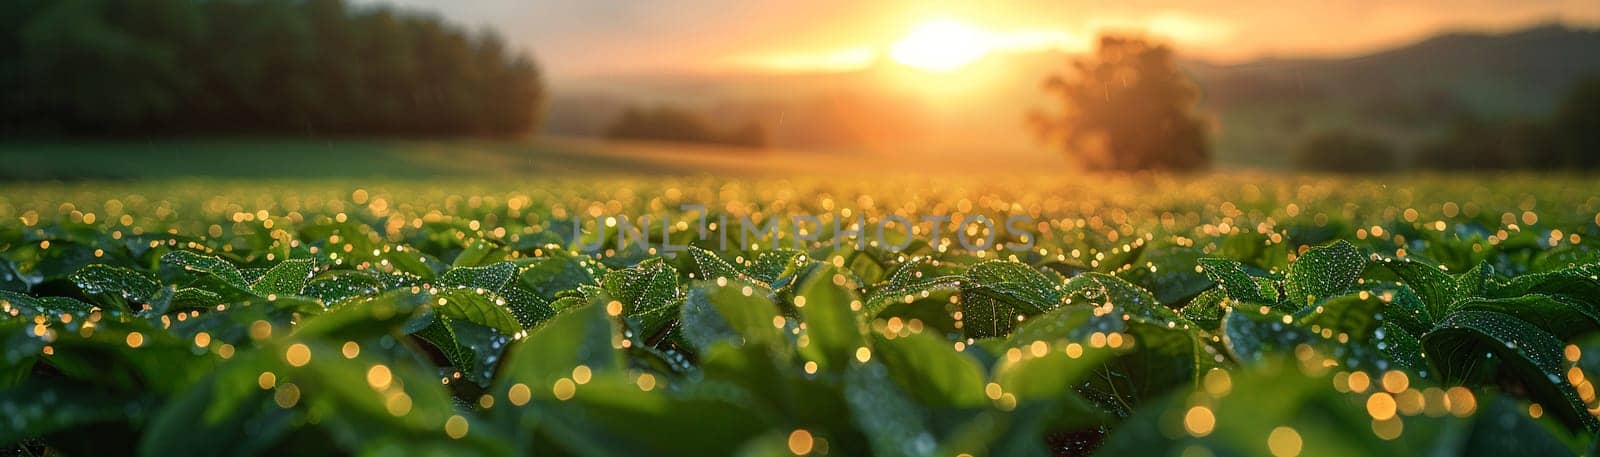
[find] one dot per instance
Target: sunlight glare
(940, 45)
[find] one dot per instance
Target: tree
(665, 123)
(1570, 139)
(1127, 107)
(116, 67)
(1345, 151)
(1475, 144)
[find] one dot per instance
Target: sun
(940, 45)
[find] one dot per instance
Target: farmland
(1240, 313)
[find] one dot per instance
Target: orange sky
(578, 38)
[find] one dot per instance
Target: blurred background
(108, 89)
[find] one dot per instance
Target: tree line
(666, 123)
(120, 67)
(1567, 139)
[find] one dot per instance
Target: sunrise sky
(580, 38)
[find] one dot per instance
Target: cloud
(576, 38)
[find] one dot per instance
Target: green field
(544, 156)
(400, 312)
(349, 157)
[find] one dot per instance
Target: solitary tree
(1127, 107)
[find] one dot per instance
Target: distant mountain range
(1516, 73)
(1262, 108)
(1405, 93)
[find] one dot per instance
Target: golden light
(456, 427)
(800, 442)
(1199, 421)
(519, 394)
(940, 45)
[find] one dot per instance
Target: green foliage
(337, 328)
(255, 66)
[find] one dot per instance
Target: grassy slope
(390, 158)
(279, 158)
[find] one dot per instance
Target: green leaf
(288, 277)
(339, 285)
(1231, 277)
(1126, 298)
(1070, 322)
(125, 285)
(209, 273)
(1401, 347)
(709, 266)
(866, 266)
(477, 306)
(737, 310)
(580, 336)
(28, 305)
(1477, 281)
(548, 277)
(1256, 338)
(931, 371)
(1166, 359)
(985, 315)
(335, 389)
(479, 252)
(1437, 289)
(914, 278)
(161, 363)
(207, 266)
(612, 416)
(1206, 309)
(409, 260)
(1325, 422)
(1053, 375)
(702, 324)
(648, 292)
(1018, 285)
(1169, 273)
(216, 419)
(524, 304)
(492, 277)
(368, 317)
(1469, 344)
(1555, 314)
(471, 348)
(833, 330)
(1357, 314)
(1250, 335)
(1403, 307)
(1323, 271)
(772, 267)
(894, 424)
(1579, 282)
(192, 298)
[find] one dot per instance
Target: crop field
(1226, 314)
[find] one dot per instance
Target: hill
(1262, 108)
(1403, 93)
